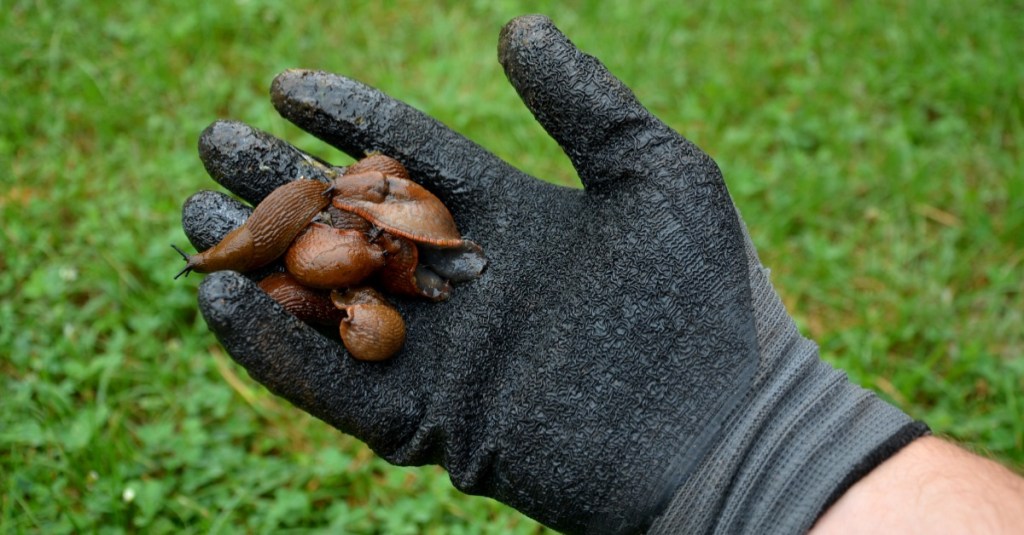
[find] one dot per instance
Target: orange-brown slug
(372, 329)
(382, 164)
(307, 304)
(326, 257)
(403, 274)
(265, 236)
(397, 205)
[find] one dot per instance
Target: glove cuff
(804, 436)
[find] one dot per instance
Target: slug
(380, 163)
(267, 233)
(326, 257)
(399, 206)
(371, 330)
(403, 274)
(310, 306)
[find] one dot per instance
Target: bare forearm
(931, 486)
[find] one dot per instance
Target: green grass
(875, 150)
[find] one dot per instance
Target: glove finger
(251, 163)
(308, 369)
(359, 119)
(597, 120)
(207, 216)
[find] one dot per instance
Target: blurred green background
(874, 148)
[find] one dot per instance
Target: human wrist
(928, 487)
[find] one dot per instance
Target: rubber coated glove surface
(622, 345)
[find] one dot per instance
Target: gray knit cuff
(789, 454)
(803, 436)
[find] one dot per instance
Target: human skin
(930, 486)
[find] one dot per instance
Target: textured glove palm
(622, 357)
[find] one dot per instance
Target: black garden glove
(623, 363)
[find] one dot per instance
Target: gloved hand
(623, 363)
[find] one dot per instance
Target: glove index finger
(598, 121)
(251, 163)
(359, 119)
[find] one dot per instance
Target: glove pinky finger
(207, 216)
(309, 369)
(277, 349)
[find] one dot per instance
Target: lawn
(875, 150)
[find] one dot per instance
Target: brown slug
(382, 164)
(383, 227)
(403, 274)
(271, 227)
(460, 264)
(307, 304)
(326, 257)
(399, 206)
(372, 329)
(357, 295)
(346, 220)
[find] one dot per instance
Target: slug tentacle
(184, 256)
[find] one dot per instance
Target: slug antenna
(184, 256)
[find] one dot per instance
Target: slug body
(310, 306)
(460, 264)
(371, 330)
(382, 164)
(404, 275)
(267, 233)
(397, 205)
(326, 257)
(341, 219)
